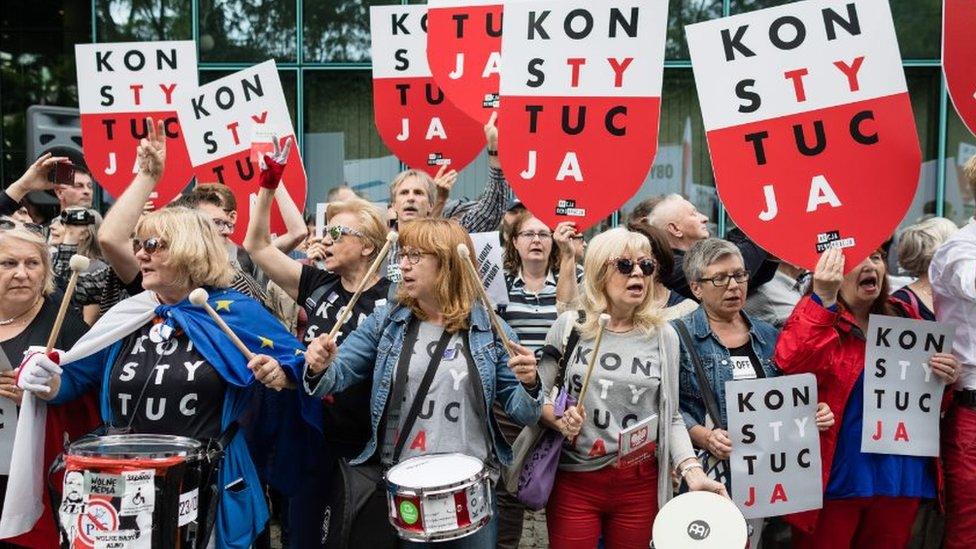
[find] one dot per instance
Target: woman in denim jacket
(436, 300)
(730, 345)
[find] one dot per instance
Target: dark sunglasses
(626, 266)
(151, 245)
(7, 224)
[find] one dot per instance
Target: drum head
(434, 470)
(135, 446)
(699, 520)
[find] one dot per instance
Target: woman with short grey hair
(916, 246)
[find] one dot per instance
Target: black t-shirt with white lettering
(745, 363)
(165, 388)
(346, 416)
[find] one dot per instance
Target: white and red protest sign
(218, 120)
(464, 42)
(580, 103)
(809, 125)
(958, 47)
(413, 117)
(120, 85)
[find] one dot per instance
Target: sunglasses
(626, 266)
(151, 245)
(336, 232)
(224, 226)
(8, 224)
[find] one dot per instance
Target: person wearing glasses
(594, 496)
(870, 500)
(437, 313)
(352, 239)
(730, 345)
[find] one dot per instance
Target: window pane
(682, 164)
(247, 30)
(142, 20)
(288, 86)
(960, 146)
(686, 12)
(337, 30)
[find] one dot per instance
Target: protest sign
(958, 45)
(464, 42)
(902, 397)
(775, 458)
(218, 120)
(488, 252)
(413, 118)
(120, 85)
(580, 103)
(809, 125)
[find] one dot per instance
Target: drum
(132, 491)
(699, 520)
(439, 497)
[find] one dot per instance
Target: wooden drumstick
(465, 254)
(344, 312)
(594, 356)
(77, 263)
(199, 298)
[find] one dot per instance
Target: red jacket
(818, 341)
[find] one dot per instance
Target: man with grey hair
(684, 226)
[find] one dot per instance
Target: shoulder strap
(569, 345)
(403, 366)
(481, 405)
(318, 293)
(711, 403)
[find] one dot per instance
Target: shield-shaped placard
(958, 46)
(120, 84)
(464, 39)
(580, 103)
(413, 117)
(218, 119)
(809, 125)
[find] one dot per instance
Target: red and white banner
(580, 103)
(809, 125)
(413, 117)
(119, 86)
(958, 48)
(464, 41)
(219, 118)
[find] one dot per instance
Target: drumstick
(465, 254)
(199, 298)
(594, 356)
(344, 312)
(77, 263)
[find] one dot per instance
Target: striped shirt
(531, 314)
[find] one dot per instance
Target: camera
(78, 216)
(62, 174)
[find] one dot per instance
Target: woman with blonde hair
(634, 378)
(436, 308)
(163, 366)
(916, 246)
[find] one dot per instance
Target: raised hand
(272, 166)
(829, 275)
(151, 153)
(37, 176)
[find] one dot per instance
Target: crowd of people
(418, 367)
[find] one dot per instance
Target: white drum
(438, 497)
(699, 520)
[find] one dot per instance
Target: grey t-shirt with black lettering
(448, 420)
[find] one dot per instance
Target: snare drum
(439, 497)
(131, 491)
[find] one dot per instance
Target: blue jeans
(486, 538)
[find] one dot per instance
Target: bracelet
(491, 152)
(694, 465)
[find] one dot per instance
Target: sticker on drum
(699, 520)
(140, 493)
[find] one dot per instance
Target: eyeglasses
(151, 245)
(336, 232)
(626, 266)
(7, 224)
(577, 237)
(224, 225)
(722, 280)
(530, 235)
(413, 256)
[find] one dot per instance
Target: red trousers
(620, 504)
(959, 459)
(864, 523)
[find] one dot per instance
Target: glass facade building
(322, 51)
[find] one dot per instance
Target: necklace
(11, 320)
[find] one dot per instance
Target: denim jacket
(715, 360)
(374, 348)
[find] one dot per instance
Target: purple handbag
(539, 470)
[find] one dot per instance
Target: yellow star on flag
(265, 342)
(224, 305)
